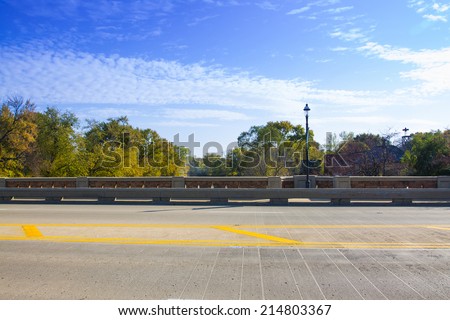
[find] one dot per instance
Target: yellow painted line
(228, 243)
(146, 241)
(438, 228)
(212, 243)
(257, 235)
(112, 225)
(31, 231)
(334, 226)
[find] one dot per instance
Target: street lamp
(307, 109)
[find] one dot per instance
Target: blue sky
(216, 67)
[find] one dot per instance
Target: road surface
(92, 251)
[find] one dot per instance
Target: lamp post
(307, 109)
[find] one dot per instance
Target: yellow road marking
(228, 243)
(112, 225)
(32, 231)
(438, 228)
(257, 235)
(334, 226)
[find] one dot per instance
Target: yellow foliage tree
(17, 133)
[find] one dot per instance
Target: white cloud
(75, 77)
(105, 112)
(421, 123)
(223, 3)
(353, 119)
(420, 5)
(435, 11)
(177, 113)
(325, 3)
(340, 49)
(199, 20)
(324, 60)
(339, 10)
(267, 5)
(298, 11)
(70, 77)
(432, 66)
(130, 10)
(183, 124)
(433, 17)
(321, 4)
(441, 7)
(348, 35)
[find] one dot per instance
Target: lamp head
(306, 109)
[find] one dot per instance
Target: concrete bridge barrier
(278, 190)
(223, 195)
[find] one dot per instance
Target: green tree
(429, 154)
(56, 149)
(273, 149)
(212, 164)
(115, 148)
(17, 133)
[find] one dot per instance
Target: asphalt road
(95, 251)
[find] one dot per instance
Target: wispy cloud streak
(431, 11)
(432, 66)
(77, 77)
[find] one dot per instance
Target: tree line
(50, 144)
(53, 143)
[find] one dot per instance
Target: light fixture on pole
(307, 109)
